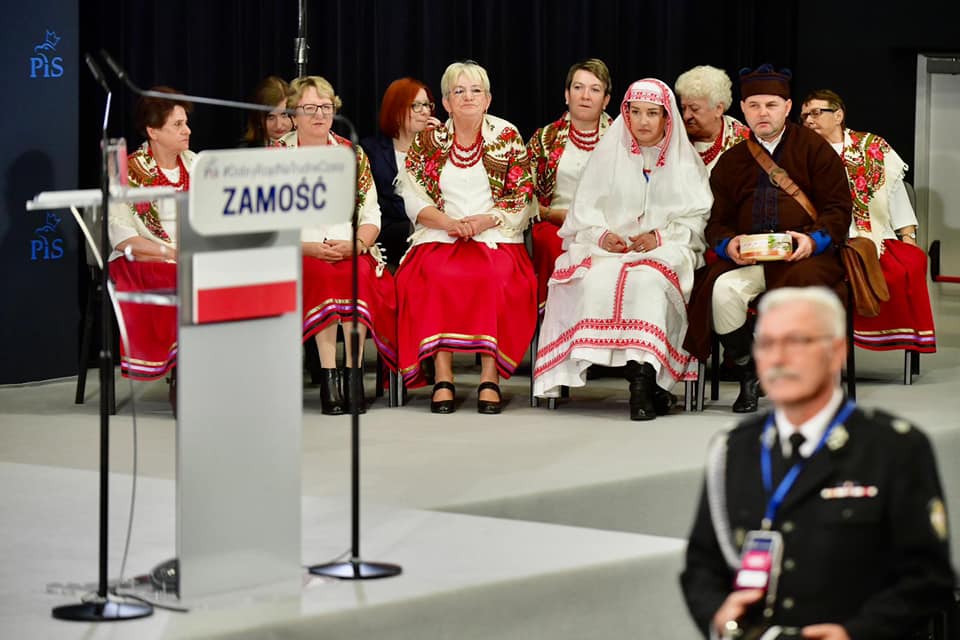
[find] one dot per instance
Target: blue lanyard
(776, 499)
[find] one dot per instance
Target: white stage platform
(589, 509)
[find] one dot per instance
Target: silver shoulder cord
(717, 498)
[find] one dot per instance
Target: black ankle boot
(349, 374)
(331, 402)
(642, 386)
(749, 396)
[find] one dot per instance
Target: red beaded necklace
(466, 157)
(713, 150)
(183, 184)
(585, 141)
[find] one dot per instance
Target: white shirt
(813, 429)
(770, 146)
(466, 192)
(572, 162)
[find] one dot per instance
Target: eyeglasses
(418, 107)
(790, 344)
(311, 109)
(460, 92)
(814, 113)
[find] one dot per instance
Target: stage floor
(603, 489)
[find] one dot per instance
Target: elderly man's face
(797, 356)
(766, 114)
(702, 120)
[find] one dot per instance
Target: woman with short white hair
(466, 284)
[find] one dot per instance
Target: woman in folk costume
(328, 256)
(883, 213)
(145, 233)
(558, 154)
(633, 238)
(466, 284)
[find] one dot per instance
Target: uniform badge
(838, 437)
(900, 425)
(938, 518)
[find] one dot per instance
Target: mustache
(776, 374)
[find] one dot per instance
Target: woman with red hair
(406, 110)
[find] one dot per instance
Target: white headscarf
(613, 193)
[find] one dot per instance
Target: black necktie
(796, 441)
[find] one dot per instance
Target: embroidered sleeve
(508, 168)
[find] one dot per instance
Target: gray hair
(468, 68)
(706, 82)
(831, 310)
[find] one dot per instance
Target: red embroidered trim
(563, 274)
(614, 343)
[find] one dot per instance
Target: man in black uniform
(862, 520)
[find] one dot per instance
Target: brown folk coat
(735, 181)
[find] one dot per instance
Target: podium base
(356, 570)
(107, 611)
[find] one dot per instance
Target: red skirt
(151, 329)
(465, 297)
(547, 247)
(906, 320)
(328, 298)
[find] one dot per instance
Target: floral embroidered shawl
(546, 147)
(505, 161)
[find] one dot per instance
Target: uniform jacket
(878, 564)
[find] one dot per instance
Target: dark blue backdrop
(39, 316)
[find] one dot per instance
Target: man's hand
(805, 246)
(734, 607)
(825, 632)
(733, 251)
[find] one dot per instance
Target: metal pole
(300, 46)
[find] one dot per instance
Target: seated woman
(558, 153)
(406, 110)
(633, 238)
(145, 233)
(466, 284)
(881, 212)
(265, 129)
(327, 256)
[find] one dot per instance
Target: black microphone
(97, 72)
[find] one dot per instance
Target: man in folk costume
(881, 212)
(746, 201)
(705, 96)
(633, 237)
(558, 153)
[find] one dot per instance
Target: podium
(240, 388)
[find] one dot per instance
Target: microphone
(96, 72)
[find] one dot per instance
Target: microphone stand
(100, 608)
(301, 50)
(355, 568)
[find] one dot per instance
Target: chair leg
(701, 384)
(688, 391)
(715, 368)
(551, 403)
(534, 346)
(908, 366)
(397, 393)
(380, 367)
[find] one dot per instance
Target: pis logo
(44, 64)
(47, 246)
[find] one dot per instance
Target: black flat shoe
(443, 406)
(487, 407)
